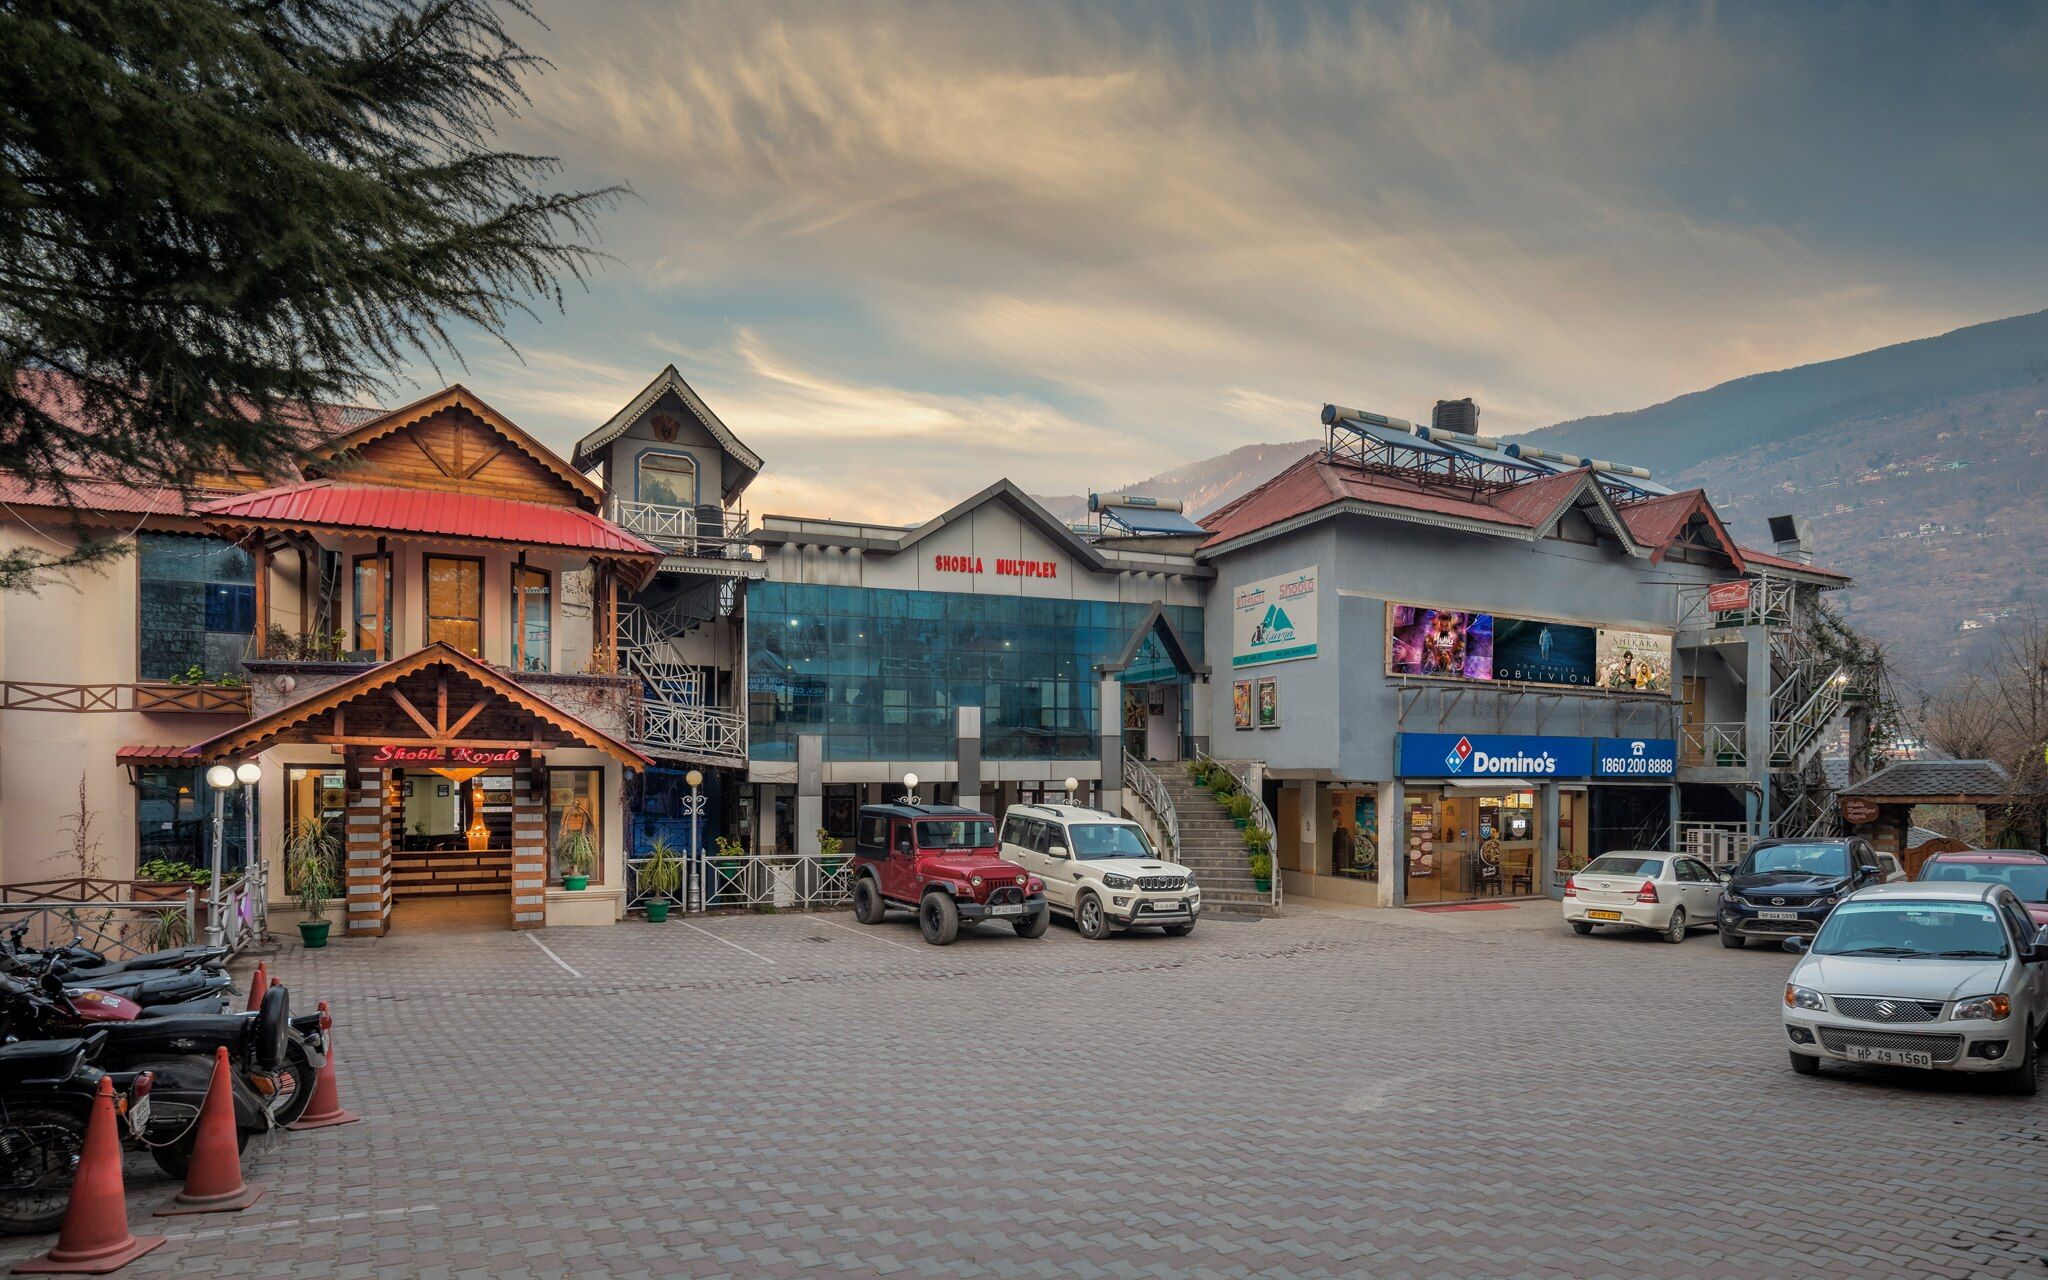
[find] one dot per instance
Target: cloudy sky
(904, 249)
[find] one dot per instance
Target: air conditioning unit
(1793, 537)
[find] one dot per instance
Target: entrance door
(1162, 722)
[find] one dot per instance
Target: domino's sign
(1510, 755)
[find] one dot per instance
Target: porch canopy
(435, 708)
(1881, 806)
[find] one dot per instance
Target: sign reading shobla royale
(1005, 568)
(408, 753)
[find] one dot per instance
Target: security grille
(1882, 1009)
(1161, 884)
(1943, 1048)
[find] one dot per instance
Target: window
(370, 601)
(455, 603)
(196, 605)
(1107, 840)
(667, 478)
(532, 596)
(174, 818)
(575, 803)
(874, 831)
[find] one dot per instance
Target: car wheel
(1177, 930)
(1675, 931)
(1033, 926)
(868, 907)
(1581, 927)
(1090, 918)
(938, 918)
(1805, 1063)
(1734, 941)
(2024, 1081)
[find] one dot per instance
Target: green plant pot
(575, 884)
(657, 911)
(314, 933)
(1242, 823)
(831, 865)
(1263, 886)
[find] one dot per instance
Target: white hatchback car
(1663, 892)
(1100, 870)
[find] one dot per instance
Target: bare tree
(1999, 711)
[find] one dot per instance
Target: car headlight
(1983, 1008)
(1191, 880)
(1828, 901)
(1115, 881)
(1803, 998)
(975, 881)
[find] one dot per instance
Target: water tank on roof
(1456, 415)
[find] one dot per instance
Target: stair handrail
(1140, 778)
(1241, 772)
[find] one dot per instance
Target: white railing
(1248, 782)
(712, 734)
(785, 882)
(242, 907)
(1770, 604)
(683, 530)
(1722, 744)
(1146, 785)
(1718, 844)
(117, 929)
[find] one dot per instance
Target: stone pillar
(1674, 819)
(1393, 881)
(368, 870)
(1547, 800)
(967, 756)
(529, 851)
(1109, 706)
(810, 792)
(1200, 690)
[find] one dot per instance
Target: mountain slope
(1202, 486)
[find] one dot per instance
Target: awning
(1491, 784)
(154, 753)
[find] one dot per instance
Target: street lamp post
(249, 773)
(695, 778)
(222, 779)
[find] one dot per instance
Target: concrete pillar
(1109, 704)
(810, 792)
(1756, 715)
(764, 821)
(1201, 692)
(1308, 827)
(967, 755)
(1547, 800)
(1674, 819)
(529, 851)
(367, 872)
(1393, 879)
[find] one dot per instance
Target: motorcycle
(47, 1088)
(179, 1051)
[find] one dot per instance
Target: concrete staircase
(1213, 847)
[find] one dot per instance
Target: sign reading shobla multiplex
(1273, 619)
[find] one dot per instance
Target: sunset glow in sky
(904, 249)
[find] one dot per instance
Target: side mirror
(2041, 942)
(1869, 870)
(1797, 946)
(1057, 851)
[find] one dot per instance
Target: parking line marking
(552, 956)
(870, 935)
(727, 941)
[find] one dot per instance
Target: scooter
(179, 1051)
(47, 1089)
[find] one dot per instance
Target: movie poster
(1634, 661)
(1241, 704)
(1536, 652)
(1269, 703)
(1439, 642)
(1463, 644)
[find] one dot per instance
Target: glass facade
(879, 673)
(196, 606)
(174, 818)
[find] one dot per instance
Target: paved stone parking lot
(1371, 1093)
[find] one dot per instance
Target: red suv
(940, 861)
(2021, 870)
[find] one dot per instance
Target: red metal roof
(1753, 558)
(1316, 482)
(153, 753)
(327, 505)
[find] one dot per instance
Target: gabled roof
(1934, 781)
(256, 734)
(1321, 484)
(1169, 635)
(323, 504)
(737, 478)
(1659, 522)
(459, 396)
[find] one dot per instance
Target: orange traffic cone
(95, 1238)
(257, 986)
(214, 1182)
(325, 1110)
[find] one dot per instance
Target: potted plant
(575, 851)
(828, 853)
(1240, 806)
(166, 878)
(660, 875)
(310, 854)
(1262, 872)
(728, 867)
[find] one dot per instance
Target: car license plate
(1013, 909)
(1888, 1057)
(138, 1116)
(1603, 915)
(1777, 915)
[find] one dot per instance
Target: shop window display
(1471, 845)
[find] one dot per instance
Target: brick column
(368, 870)
(529, 853)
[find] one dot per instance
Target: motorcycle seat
(40, 1061)
(206, 1006)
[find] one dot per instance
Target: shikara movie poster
(1639, 661)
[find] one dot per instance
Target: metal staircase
(677, 719)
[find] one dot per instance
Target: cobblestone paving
(1373, 1093)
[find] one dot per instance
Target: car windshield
(1797, 860)
(2027, 879)
(1108, 840)
(1931, 930)
(960, 833)
(1614, 864)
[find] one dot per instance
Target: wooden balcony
(202, 699)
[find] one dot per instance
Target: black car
(1785, 888)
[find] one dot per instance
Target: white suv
(1100, 870)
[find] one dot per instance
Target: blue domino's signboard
(1516, 755)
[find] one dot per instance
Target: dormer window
(669, 479)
